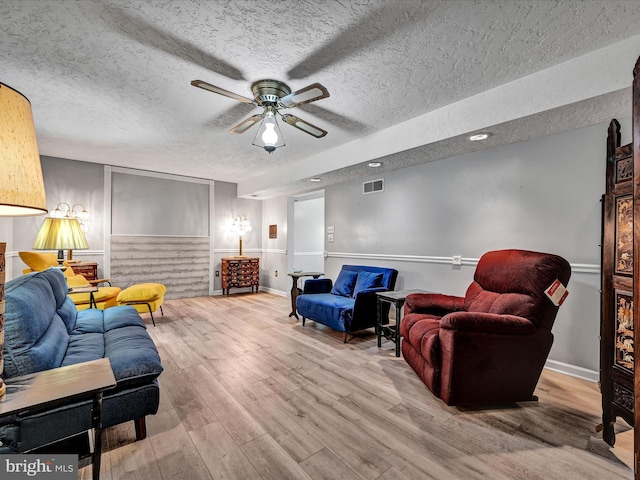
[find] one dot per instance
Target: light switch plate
(331, 229)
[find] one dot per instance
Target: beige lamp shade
(21, 184)
(60, 234)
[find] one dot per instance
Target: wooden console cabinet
(240, 272)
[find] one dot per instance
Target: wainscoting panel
(180, 263)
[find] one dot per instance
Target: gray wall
(71, 182)
(308, 235)
(146, 206)
(226, 243)
(543, 194)
(274, 250)
(142, 205)
(160, 232)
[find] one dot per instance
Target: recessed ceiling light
(479, 136)
(375, 164)
(315, 180)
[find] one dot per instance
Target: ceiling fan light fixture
(269, 135)
(273, 95)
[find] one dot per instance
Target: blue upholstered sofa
(349, 304)
(43, 330)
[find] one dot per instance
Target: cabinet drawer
(86, 269)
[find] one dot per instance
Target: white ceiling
(109, 81)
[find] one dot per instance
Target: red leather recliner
(489, 346)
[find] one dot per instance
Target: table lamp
(21, 183)
(64, 210)
(60, 234)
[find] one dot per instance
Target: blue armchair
(350, 304)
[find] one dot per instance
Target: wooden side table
(392, 332)
(90, 290)
(50, 389)
(295, 290)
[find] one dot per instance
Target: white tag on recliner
(557, 293)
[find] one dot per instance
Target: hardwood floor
(248, 393)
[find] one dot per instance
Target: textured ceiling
(109, 81)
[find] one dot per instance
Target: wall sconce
(21, 183)
(78, 211)
(241, 226)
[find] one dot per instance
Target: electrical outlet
(217, 273)
(457, 260)
(330, 237)
(331, 229)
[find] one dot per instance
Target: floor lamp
(241, 226)
(21, 183)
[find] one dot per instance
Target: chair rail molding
(251, 250)
(76, 253)
(274, 251)
(466, 261)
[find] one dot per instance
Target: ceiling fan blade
(221, 91)
(304, 126)
(132, 23)
(308, 94)
(342, 121)
(375, 26)
(245, 125)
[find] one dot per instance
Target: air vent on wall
(373, 186)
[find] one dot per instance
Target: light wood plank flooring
(248, 393)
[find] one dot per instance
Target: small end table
(392, 332)
(295, 290)
(90, 290)
(51, 389)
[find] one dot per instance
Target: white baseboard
(280, 293)
(573, 370)
(262, 289)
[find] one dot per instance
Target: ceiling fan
(273, 96)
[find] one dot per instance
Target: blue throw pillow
(367, 280)
(344, 284)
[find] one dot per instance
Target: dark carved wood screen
(616, 324)
(619, 365)
(636, 262)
